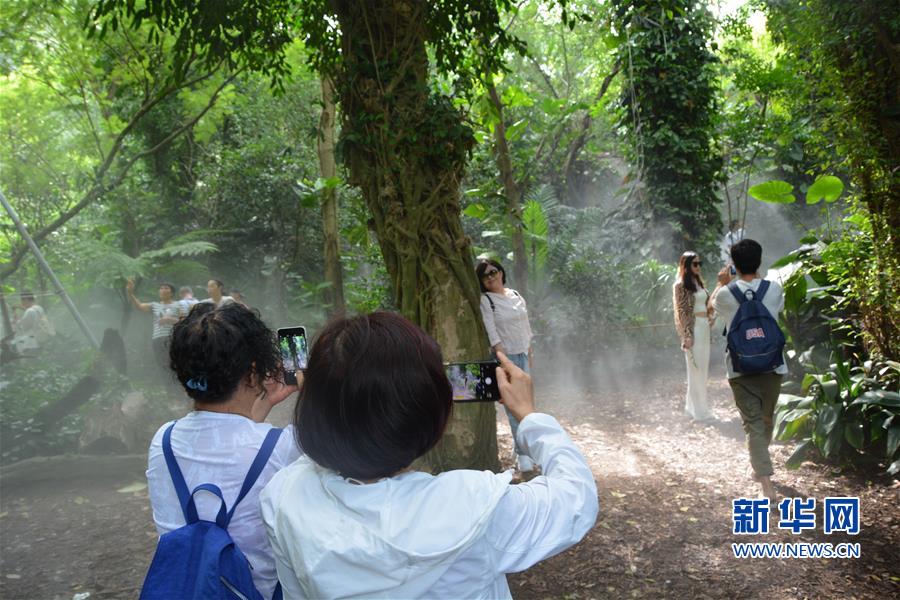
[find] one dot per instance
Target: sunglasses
(490, 274)
(699, 263)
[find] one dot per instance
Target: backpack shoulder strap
(184, 496)
(488, 296)
(259, 463)
(736, 292)
(763, 288)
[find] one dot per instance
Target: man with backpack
(754, 359)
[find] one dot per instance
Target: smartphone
(474, 381)
(294, 352)
(732, 270)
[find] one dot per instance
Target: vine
(669, 101)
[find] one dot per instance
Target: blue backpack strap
(259, 463)
(184, 496)
(222, 516)
(278, 594)
(736, 292)
(757, 295)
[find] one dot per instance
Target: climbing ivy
(668, 103)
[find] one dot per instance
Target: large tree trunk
(513, 192)
(406, 149)
(328, 168)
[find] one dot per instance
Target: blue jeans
(521, 361)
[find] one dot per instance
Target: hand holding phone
(516, 389)
(294, 352)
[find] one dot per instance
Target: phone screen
(474, 381)
(294, 352)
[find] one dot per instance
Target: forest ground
(81, 528)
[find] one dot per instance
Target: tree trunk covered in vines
(406, 149)
(851, 55)
(327, 166)
(670, 99)
(866, 53)
(513, 192)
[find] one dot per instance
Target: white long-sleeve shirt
(218, 448)
(506, 321)
(416, 535)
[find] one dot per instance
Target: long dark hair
(686, 275)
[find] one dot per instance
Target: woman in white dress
(693, 317)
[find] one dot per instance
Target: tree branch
(98, 189)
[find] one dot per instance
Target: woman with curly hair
(229, 364)
(692, 320)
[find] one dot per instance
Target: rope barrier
(645, 326)
(36, 295)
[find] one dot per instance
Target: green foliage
(847, 411)
(827, 187)
(847, 54)
(668, 108)
(776, 192)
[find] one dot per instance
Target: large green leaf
(792, 423)
(795, 292)
(827, 187)
(830, 388)
(855, 434)
(879, 397)
(775, 192)
(534, 222)
(893, 440)
(476, 210)
(829, 429)
(799, 454)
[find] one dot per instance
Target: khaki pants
(756, 396)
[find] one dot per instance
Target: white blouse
(417, 535)
(507, 321)
(218, 448)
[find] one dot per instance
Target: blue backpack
(200, 560)
(755, 342)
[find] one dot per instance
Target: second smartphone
(474, 381)
(294, 352)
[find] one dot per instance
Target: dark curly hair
(216, 348)
(482, 266)
(375, 396)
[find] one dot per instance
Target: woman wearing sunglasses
(693, 317)
(505, 317)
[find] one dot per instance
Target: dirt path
(666, 487)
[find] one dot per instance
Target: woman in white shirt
(351, 519)
(505, 316)
(229, 364)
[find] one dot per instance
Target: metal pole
(40, 258)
